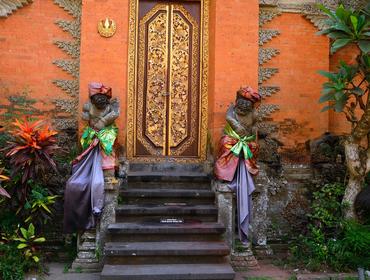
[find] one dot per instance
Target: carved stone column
(226, 209)
(110, 202)
(225, 199)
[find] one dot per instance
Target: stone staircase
(166, 229)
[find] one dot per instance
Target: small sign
(172, 221)
(175, 204)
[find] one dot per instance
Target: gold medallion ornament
(107, 27)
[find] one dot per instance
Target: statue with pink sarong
(237, 159)
(84, 193)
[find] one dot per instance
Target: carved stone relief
(308, 8)
(7, 7)
(71, 66)
(268, 152)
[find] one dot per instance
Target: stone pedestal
(91, 243)
(226, 215)
(226, 209)
(241, 261)
(87, 258)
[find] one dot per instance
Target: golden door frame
(132, 86)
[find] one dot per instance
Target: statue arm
(109, 118)
(234, 123)
(85, 111)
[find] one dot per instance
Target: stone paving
(265, 272)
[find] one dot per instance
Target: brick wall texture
(27, 52)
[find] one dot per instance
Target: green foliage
(13, 265)
(347, 87)
(31, 204)
(347, 26)
(339, 89)
(326, 205)
(19, 105)
(20, 253)
(28, 241)
(40, 205)
(331, 241)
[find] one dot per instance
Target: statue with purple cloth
(237, 158)
(84, 193)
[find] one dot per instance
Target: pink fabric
(108, 162)
(227, 162)
(99, 88)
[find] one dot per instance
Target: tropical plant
(40, 205)
(31, 149)
(28, 242)
(19, 253)
(3, 192)
(331, 241)
(348, 91)
(13, 265)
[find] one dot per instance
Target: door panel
(168, 93)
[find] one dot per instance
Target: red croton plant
(3, 192)
(31, 149)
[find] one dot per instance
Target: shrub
(331, 241)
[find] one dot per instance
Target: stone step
(168, 167)
(165, 252)
(167, 193)
(189, 196)
(155, 184)
(166, 248)
(180, 177)
(155, 212)
(194, 230)
(168, 272)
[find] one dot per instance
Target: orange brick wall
(105, 59)
(27, 52)
(302, 54)
(234, 56)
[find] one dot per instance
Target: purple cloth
(84, 193)
(243, 185)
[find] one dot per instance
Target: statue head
(243, 106)
(99, 95)
(246, 98)
(99, 100)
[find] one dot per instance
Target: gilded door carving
(168, 99)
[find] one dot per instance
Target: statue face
(100, 101)
(243, 106)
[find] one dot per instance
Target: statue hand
(241, 131)
(99, 125)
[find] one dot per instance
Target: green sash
(106, 136)
(242, 144)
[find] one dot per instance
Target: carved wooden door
(167, 103)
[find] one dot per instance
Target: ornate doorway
(167, 110)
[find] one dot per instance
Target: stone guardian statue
(237, 158)
(84, 193)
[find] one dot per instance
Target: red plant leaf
(3, 192)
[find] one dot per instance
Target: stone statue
(84, 193)
(241, 116)
(100, 111)
(238, 154)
